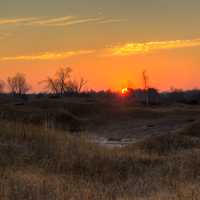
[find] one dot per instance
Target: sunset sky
(108, 42)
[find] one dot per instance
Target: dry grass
(37, 164)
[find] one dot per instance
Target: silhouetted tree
(2, 86)
(58, 84)
(63, 83)
(75, 86)
(146, 85)
(63, 77)
(18, 85)
(82, 84)
(51, 85)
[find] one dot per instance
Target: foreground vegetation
(40, 164)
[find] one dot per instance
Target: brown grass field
(44, 159)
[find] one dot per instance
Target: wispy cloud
(47, 56)
(109, 21)
(57, 21)
(72, 21)
(17, 21)
(146, 47)
(119, 50)
(64, 21)
(50, 21)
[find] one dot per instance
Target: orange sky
(108, 43)
(178, 68)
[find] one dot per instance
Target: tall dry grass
(37, 164)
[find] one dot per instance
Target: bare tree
(51, 85)
(2, 86)
(18, 85)
(63, 75)
(71, 86)
(75, 86)
(82, 84)
(63, 82)
(58, 84)
(146, 86)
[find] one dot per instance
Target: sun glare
(124, 91)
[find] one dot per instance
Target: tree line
(62, 82)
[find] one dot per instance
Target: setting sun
(124, 91)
